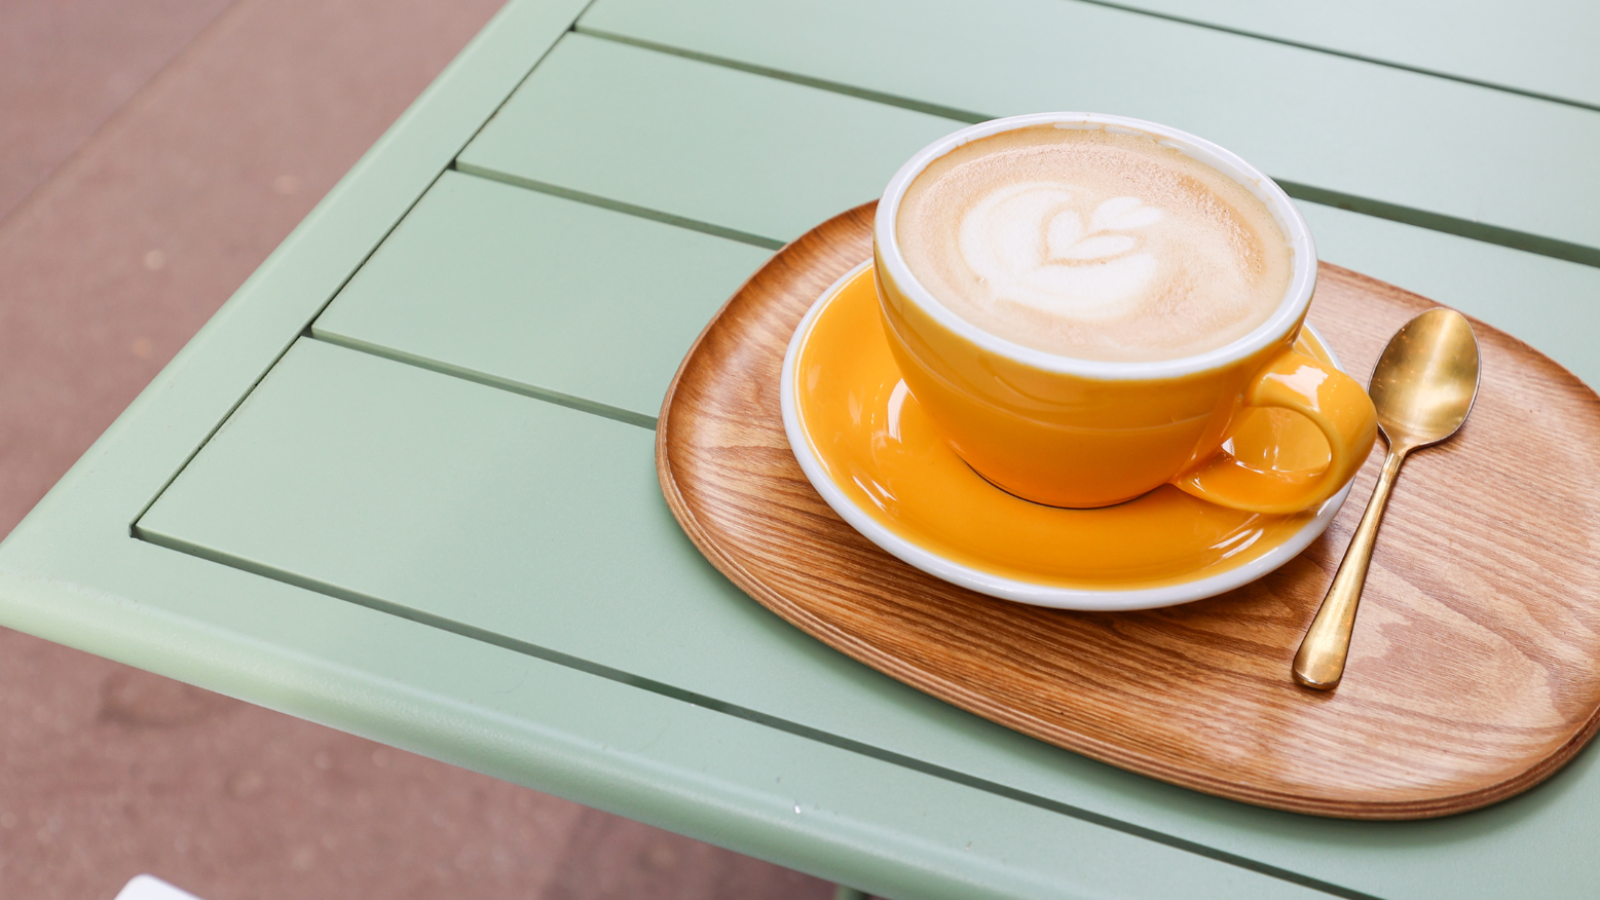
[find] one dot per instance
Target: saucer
(872, 453)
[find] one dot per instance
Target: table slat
(1540, 47)
(564, 300)
(1549, 303)
(483, 510)
(1428, 150)
(684, 140)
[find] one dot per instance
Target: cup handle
(1336, 403)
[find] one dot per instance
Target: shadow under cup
(1084, 433)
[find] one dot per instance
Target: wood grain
(1473, 671)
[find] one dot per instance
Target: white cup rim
(1296, 298)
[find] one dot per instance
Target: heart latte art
(1032, 244)
(1093, 245)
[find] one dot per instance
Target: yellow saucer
(873, 454)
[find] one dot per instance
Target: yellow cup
(1088, 433)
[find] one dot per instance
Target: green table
(403, 483)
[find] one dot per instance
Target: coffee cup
(1087, 305)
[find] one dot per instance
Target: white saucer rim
(1053, 596)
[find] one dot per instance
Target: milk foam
(1093, 245)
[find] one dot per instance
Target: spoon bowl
(1426, 380)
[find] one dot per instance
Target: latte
(1093, 244)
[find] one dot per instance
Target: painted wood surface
(752, 158)
(1542, 47)
(1471, 679)
(1549, 303)
(1375, 138)
(567, 301)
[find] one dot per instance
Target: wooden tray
(1473, 674)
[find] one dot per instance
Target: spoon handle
(1320, 662)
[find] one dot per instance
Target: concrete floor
(152, 153)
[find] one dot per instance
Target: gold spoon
(1422, 387)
